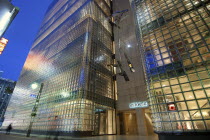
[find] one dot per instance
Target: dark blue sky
(21, 35)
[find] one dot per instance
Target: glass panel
(169, 98)
(189, 96)
(208, 124)
(167, 126)
(199, 125)
(203, 103)
(206, 113)
(186, 87)
(183, 79)
(184, 115)
(173, 81)
(206, 83)
(181, 106)
(196, 85)
(192, 105)
(196, 114)
(178, 97)
(187, 125)
(200, 94)
(208, 92)
(176, 89)
(167, 90)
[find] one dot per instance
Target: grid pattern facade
(5, 96)
(175, 45)
(70, 57)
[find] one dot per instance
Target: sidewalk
(18, 136)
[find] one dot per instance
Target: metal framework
(175, 38)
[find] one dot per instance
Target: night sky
(21, 35)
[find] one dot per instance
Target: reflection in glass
(174, 37)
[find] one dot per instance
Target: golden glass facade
(69, 56)
(175, 44)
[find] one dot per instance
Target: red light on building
(171, 107)
(3, 43)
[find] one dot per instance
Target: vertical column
(141, 122)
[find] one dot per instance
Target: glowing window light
(3, 43)
(4, 40)
(65, 94)
(34, 85)
(5, 20)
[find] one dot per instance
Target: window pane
(199, 125)
(192, 105)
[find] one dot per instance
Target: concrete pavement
(108, 137)
(15, 137)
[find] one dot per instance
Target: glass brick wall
(175, 44)
(69, 56)
(6, 88)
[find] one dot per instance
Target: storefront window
(175, 38)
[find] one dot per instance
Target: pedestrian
(49, 130)
(52, 131)
(56, 131)
(9, 128)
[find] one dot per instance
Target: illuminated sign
(3, 43)
(33, 95)
(7, 14)
(171, 107)
(143, 104)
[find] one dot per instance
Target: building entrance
(128, 123)
(100, 123)
(135, 122)
(104, 122)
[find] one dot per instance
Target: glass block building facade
(69, 58)
(175, 44)
(6, 89)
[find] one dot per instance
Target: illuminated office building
(6, 89)
(174, 40)
(70, 58)
(7, 14)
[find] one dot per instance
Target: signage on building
(3, 43)
(7, 14)
(143, 104)
(171, 107)
(33, 95)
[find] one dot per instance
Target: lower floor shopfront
(135, 122)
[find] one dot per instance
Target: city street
(111, 137)
(104, 70)
(15, 137)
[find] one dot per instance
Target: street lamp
(35, 108)
(34, 85)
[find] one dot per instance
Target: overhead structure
(7, 14)
(118, 16)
